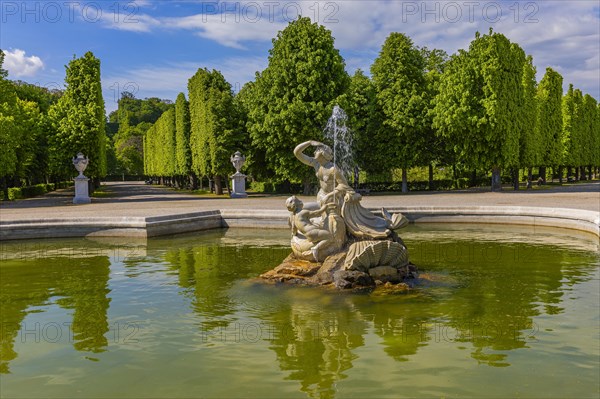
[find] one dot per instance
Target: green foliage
(159, 146)
(549, 126)
(79, 119)
(15, 193)
(530, 145)
(590, 131)
(434, 149)
(11, 132)
(213, 138)
(182, 136)
(133, 118)
(401, 95)
(479, 107)
(573, 127)
(359, 102)
(293, 97)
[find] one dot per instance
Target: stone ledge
(582, 220)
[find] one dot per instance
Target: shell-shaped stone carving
(364, 255)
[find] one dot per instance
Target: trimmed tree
(183, 155)
(359, 102)
(401, 95)
(530, 145)
(550, 121)
(294, 96)
(479, 104)
(213, 138)
(79, 120)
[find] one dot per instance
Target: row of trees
(480, 109)
(41, 130)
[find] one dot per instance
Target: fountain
(337, 241)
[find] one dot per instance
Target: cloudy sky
(152, 47)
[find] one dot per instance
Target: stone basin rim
(173, 223)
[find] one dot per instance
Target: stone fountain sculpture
(336, 240)
(81, 182)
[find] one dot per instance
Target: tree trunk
(404, 181)
(218, 185)
(583, 177)
(591, 174)
(306, 187)
(474, 178)
(227, 186)
(431, 177)
(576, 173)
(530, 173)
(543, 174)
(4, 188)
(496, 180)
(515, 178)
(454, 178)
(560, 174)
(569, 172)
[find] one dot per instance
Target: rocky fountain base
(361, 265)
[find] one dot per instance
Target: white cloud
(20, 65)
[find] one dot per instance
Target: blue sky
(152, 47)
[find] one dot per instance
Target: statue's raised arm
(302, 157)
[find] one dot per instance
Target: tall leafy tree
(133, 118)
(590, 133)
(401, 94)
(294, 95)
(213, 137)
(435, 149)
(479, 105)
(530, 145)
(79, 119)
(182, 136)
(549, 124)
(10, 131)
(359, 103)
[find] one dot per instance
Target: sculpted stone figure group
(339, 209)
(335, 240)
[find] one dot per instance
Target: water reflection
(77, 284)
(481, 298)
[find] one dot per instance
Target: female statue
(334, 188)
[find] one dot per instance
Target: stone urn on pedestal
(81, 182)
(238, 180)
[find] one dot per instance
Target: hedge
(15, 193)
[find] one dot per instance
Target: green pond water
(499, 312)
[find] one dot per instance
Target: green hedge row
(279, 188)
(15, 193)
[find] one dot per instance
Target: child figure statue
(313, 240)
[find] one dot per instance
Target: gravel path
(138, 199)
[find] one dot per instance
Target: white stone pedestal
(238, 183)
(82, 195)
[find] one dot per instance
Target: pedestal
(238, 183)
(82, 195)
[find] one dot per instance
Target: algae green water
(497, 313)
